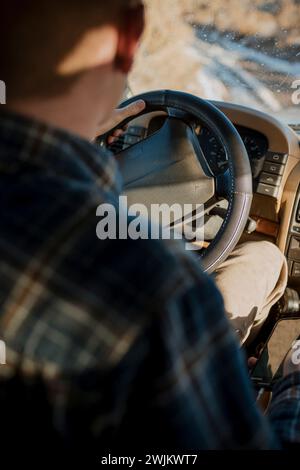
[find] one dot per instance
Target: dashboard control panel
(293, 245)
(271, 176)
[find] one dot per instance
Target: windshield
(243, 51)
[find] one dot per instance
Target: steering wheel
(170, 167)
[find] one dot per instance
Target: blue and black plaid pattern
(128, 338)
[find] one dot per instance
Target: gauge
(213, 151)
(252, 147)
(256, 145)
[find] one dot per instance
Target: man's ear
(129, 35)
(98, 46)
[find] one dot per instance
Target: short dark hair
(37, 34)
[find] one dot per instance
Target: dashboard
(274, 154)
(267, 161)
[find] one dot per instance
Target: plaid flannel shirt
(127, 341)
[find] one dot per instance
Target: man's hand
(118, 116)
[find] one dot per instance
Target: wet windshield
(243, 51)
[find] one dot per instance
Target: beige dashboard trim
(287, 205)
(281, 138)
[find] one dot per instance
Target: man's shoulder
(151, 266)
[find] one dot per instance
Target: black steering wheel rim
(240, 175)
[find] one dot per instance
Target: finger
(117, 133)
(110, 139)
(252, 361)
(133, 109)
(115, 136)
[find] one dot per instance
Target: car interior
(242, 164)
(216, 150)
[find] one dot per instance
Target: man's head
(52, 48)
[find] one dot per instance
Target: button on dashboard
(267, 178)
(296, 270)
(267, 190)
(294, 249)
(280, 158)
(273, 168)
